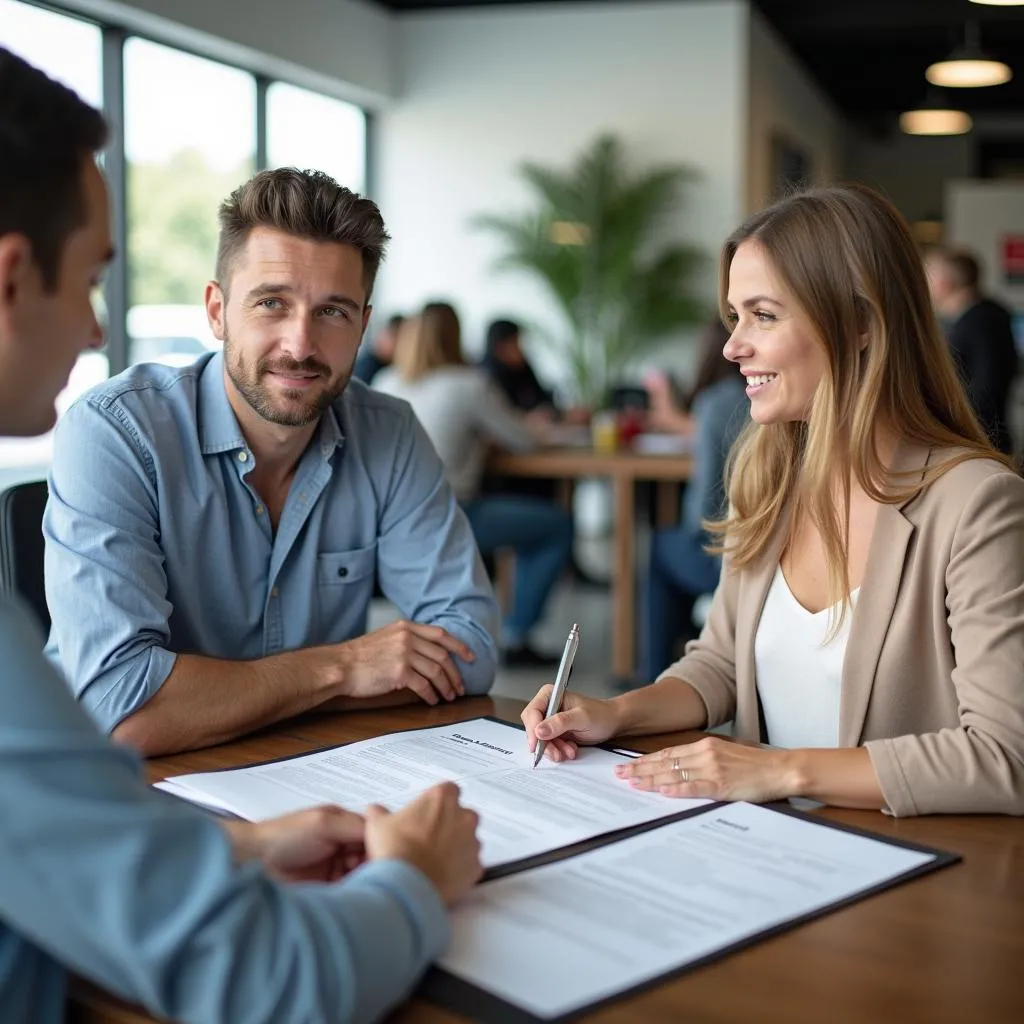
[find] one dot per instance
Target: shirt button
(243, 456)
(273, 592)
(342, 571)
(259, 510)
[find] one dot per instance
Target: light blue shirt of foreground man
(213, 533)
(203, 923)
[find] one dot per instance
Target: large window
(190, 137)
(307, 130)
(186, 149)
(69, 50)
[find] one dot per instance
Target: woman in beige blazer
(864, 491)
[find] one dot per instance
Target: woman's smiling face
(772, 341)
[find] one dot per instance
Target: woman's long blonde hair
(429, 341)
(847, 259)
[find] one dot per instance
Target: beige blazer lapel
(875, 604)
(748, 611)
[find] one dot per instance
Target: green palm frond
(593, 242)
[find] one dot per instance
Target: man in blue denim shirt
(100, 874)
(213, 533)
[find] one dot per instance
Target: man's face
(42, 333)
(510, 353)
(291, 317)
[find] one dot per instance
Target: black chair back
(21, 545)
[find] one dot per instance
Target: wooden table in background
(624, 469)
(947, 947)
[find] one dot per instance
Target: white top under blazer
(799, 676)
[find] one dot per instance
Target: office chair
(21, 545)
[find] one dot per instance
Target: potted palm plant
(596, 241)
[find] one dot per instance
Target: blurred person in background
(507, 365)
(980, 333)
(464, 413)
(680, 568)
(378, 353)
(321, 915)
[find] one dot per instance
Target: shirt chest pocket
(344, 591)
(342, 568)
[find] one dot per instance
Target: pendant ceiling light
(1000, 3)
(968, 66)
(935, 117)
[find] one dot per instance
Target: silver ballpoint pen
(561, 682)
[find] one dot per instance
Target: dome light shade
(935, 121)
(1000, 3)
(968, 72)
(969, 66)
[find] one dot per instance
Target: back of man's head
(46, 134)
(962, 268)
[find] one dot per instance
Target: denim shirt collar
(219, 430)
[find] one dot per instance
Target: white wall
(341, 47)
(482, 91)
(785, 101)
(980, 215)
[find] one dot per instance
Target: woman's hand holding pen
(582, 720)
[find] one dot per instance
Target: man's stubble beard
(258, 396)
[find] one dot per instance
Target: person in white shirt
(464, 414)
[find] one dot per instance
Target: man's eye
(334, 311)
(270, 303)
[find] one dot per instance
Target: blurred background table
(624, 470)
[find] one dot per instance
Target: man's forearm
(210, 700)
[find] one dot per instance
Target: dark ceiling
(870, 55)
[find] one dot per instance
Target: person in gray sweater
(465, 414)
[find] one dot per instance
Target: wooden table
(624, 469)
(948, 947)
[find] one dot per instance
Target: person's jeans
(540, 535)
(679, 572)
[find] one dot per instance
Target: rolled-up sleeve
(140, 893)
(979, 765)
(428, 559)
(106, 585)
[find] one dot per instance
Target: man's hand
(404, 656)
(321, 844)
(435, 834)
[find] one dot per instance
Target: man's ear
(367, 312)
(216, 303)
(16, 269)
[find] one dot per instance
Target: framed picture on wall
(791, 166)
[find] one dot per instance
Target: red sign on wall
(1013, 259)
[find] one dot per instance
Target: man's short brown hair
(963, 267)
(307, 204)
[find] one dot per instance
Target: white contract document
(524, 811)
(562, 937)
